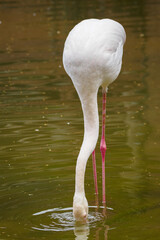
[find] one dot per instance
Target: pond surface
(41, 125)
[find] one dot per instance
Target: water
(62, 219)
(42, 125)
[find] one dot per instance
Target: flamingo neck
(91, 131)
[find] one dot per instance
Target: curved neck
(91, 131)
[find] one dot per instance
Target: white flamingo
(92, 57)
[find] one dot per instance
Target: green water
(41, 125)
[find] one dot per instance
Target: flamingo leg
(95, 172)
(103, 145)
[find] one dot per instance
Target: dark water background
(41, 124)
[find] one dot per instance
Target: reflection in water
(81, 232)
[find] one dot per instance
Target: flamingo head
(80, 207)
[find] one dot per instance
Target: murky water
(42, 125)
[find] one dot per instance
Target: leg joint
(103, 146)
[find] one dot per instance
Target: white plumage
(92, 57)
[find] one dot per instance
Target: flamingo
(92, 57)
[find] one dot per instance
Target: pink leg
(103, 145)
(95, 172)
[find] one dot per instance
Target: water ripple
(61, 219)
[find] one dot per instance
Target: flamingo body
(92, 57)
